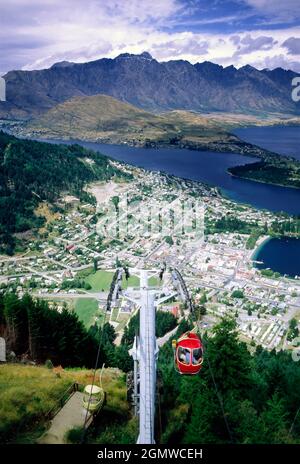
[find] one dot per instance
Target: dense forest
(164, 322)
(238, 397)
(34, 330)
(34, 171)
(280, 171)
(41, 333)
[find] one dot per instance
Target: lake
(281, 255)
(284, 140)
(211, 168)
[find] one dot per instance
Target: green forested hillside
(31, 327)
(237, 398)
(164, 322)
(28, 393)
(279, 171)
(33, 171)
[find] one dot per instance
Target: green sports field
(86, 310)
(101, 280)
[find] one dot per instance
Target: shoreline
(258, 246)
(222, 191)
(261, 181)
(260, 243)
(237, 146)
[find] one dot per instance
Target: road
(162, 340)
(100, 296)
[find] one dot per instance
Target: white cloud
(137, 11)
(56, 30)
(293, 45)
(185, 44)
(248, 44)
(278, 61)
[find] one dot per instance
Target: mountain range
(151, 85)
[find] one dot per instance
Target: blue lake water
(284, 140)
(281, 255)
(211, 168)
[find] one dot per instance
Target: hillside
(32, 172)
(238, 397)
(101, 118)
(28, 393)
(283, 172)
(257, 392)
(105, 118)
(151, 85)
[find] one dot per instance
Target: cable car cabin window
(184, 355)
(197, 356)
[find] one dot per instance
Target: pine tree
(16, 320)
(122, 358)
(246, 425)
(229, 358)
(205, 421)
(275, 421)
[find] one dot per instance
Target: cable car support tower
(145, 347)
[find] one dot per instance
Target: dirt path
(104, 191)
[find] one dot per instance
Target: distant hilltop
(153, 86)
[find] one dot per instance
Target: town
(153, 220)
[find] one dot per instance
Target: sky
(34, 34)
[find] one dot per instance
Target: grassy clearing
(101, 281)
(45, 211)
(115, 312)
(133, 281)
(84, 272)
(153, 281)
(122, 320)
(87, 309)
(29, 392)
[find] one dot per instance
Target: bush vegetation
(28, 393)
(259, 392)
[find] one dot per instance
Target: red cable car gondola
(188, 353)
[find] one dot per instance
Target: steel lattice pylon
(145, 350)
(144, 353)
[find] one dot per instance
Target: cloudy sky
(34, 34)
